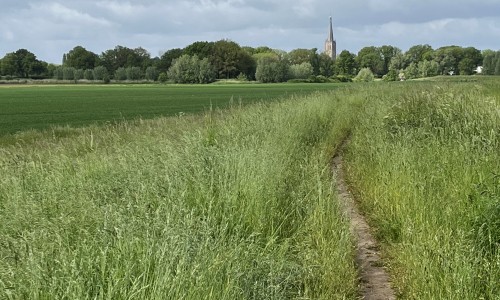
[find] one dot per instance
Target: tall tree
(165, 61)
(388, 52)
(81, 58)
(448, 59)
(327, 66)
(417, 54)
(370, 57)
(346, 63)
(123, 57)
(466, 66)
(200, 49)
(412, 71)
(398, 62)
(141, 58)
(246, 65)
(23, 63)
(315, 61)
(225, 58)
(428, 68)
(488, 62)
(299, 56)
(10, 65)
(497, 62)
(272, 67)
(230, 59)
(472, 58)
(27, 62)
(113, 59)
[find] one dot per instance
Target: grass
(425, 164)
(41, 107)
(231, 204)
(238, 203)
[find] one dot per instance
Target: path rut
(374, 280)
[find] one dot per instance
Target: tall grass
(236, 204)
(424, 162)
(239, 204)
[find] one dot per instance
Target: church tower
(331, 44)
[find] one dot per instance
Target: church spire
(330, 37)
(330, 43)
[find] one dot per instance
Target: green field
(239, 203)
(41, 107)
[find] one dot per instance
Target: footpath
(374, 280)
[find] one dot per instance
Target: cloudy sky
(50, 28)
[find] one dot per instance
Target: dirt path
(374, 280)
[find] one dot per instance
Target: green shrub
(134, 73)
(242, 77)
(364, 75)
(301, 71)
(101, 73)
(68, 73)
(191, 69)
(392, 75)
(341, 78)
(121, 74)
(163, 77)
(152, 74)
(272, 69)
(88, 74)
(79, 74)
(59, 73)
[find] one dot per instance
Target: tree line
(205, 62)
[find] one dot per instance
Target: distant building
(331, 44)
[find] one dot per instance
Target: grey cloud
(357, 13)
(51, 27)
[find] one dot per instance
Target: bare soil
(374, 280)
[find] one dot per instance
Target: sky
(50, 28)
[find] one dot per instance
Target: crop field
(42, 107)
(240, 203)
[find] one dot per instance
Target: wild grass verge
(235, 204)
(424, 161)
